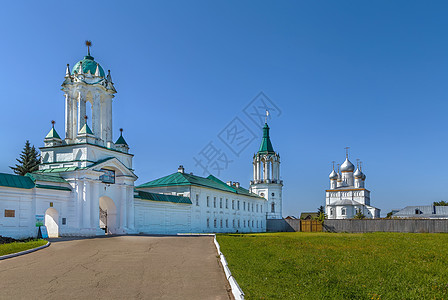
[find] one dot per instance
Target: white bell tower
(87, 85)
(267, 183)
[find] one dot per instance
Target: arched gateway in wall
(108, 215)
(52, 222)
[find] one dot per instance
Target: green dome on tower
(88, 64)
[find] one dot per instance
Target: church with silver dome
(347, 194)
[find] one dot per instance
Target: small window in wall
(257, 223)
(343, 211)
(220, 223)
(214, 202)
(238, 205)
(233, 223)
(10, 213)
(244, 222)
(244, 205)
(273, 208)
(220, 202)
(257, 207)
(215, 223)
(238, 223)
(261, 208)
(331, 211)
(208, 201)
(417, 211)
(261, 224)
(197, 200)
(227, 203)
(252, 223)
(108, 176)
(273, 194)
(64, 221)
(233, 204)
(208, 222)
(227, 223)
(252, 207)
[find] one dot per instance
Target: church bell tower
(266, 182)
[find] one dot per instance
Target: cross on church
(88, 44)
(53, 122)
(346, 151)
(333, 164)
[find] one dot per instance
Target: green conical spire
(121, 140)
(266, 145)
(85, 130)
(52, 134)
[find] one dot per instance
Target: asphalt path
(119, 267)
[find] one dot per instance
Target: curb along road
(24, 252)
(236, 290)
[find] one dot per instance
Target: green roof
(85, 130)
(121, 141)
(45, 177)
(162, 198)
(58, 170)
(53, 134)
(88, 64)
(181, 179)
(53, 187)
(266, 145)
(16, 181)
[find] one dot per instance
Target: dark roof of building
(182, 179)
(311, 215)
(161, 197)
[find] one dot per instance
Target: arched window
(343, 212)
(214, 223)
(273, 208)
(208, 223)
(331, 211)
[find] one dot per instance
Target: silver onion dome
(333, 175)
(358, 174)
(347, 166)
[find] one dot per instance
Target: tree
(440, 203)
(29, 160)
(359, 215)
(321, 214)
(389, 215)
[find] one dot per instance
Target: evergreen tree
(321, 216)
(28, 162)
(360, 215)
(440, 203)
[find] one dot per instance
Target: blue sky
(368, 75)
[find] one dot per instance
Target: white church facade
(347, 194)
(85, 183)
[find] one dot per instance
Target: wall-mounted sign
(10, 213)
(108, 176)
(40, 220)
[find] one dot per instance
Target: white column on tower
(268, 169)
(96, 115)
(68, 117)
(255, 169)
(81, 110)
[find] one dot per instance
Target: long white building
(85, 183)
(347, 194)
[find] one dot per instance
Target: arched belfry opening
(108, 215)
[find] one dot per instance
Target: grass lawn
(339, 265)
(20, 246)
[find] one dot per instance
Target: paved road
(120, 267)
